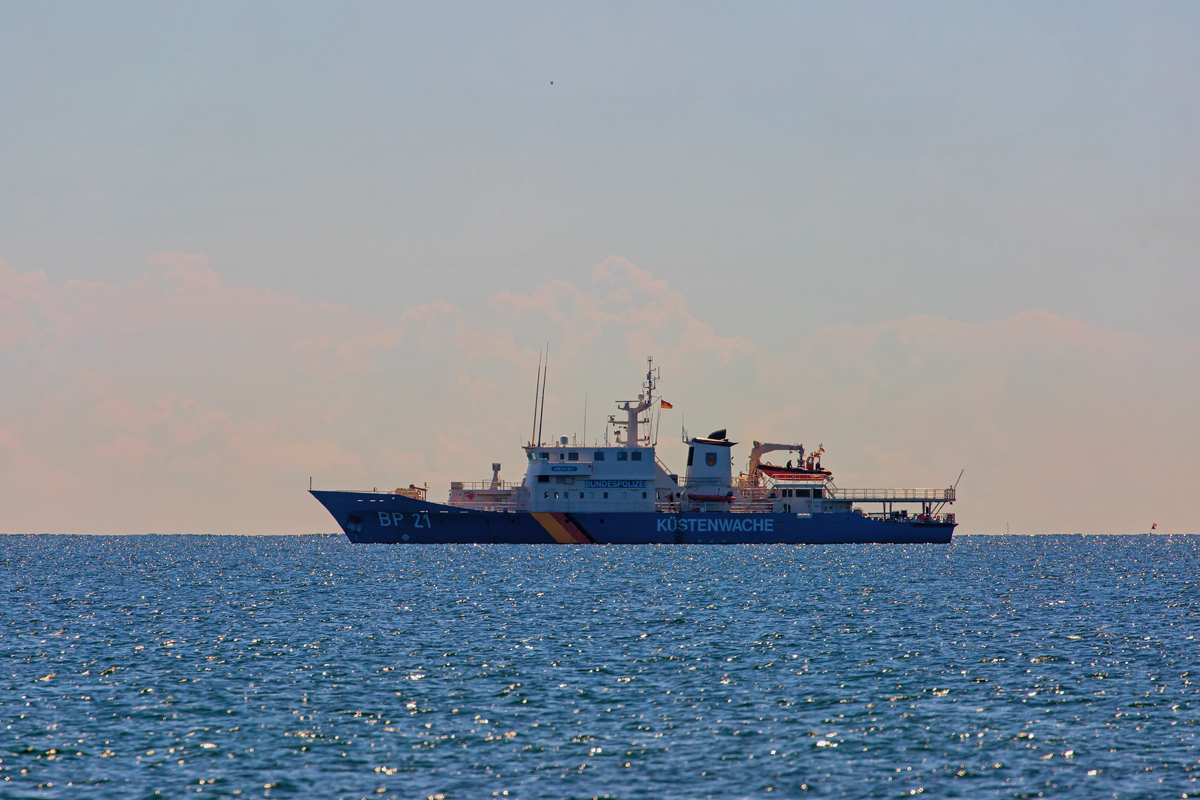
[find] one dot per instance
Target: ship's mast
(634, 408)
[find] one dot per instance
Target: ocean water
(165, 666)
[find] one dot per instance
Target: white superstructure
(569, 477)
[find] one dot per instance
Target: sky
(246, 245)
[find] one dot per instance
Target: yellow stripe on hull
(563, 531)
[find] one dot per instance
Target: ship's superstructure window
(561, 457)
(598, 455)
(691, 455)
(802, 493)
(637, 455)
(606, 495)
(572, 456)
(818, 493)
(545, 456)
(530, 454)
(622, 456)
(591, 495)
(543, 478)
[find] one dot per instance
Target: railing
(752, 506)
(508, 504)
(737, 506)
(661, 465)
(484, 486)
(760, 499)
(897, 516)
(889, 495)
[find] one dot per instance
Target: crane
(760, 448)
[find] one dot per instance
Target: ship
(621, 492)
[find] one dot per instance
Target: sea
(304, 666)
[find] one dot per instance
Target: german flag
(665, 404)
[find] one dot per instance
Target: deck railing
(661, 465)
(507, 504)
(484, 486)
(889, 495)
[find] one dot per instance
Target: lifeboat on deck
(794, 474)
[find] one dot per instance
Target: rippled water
(304, 666)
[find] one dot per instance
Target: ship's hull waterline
(371, 517)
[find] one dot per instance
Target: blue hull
(367, 517)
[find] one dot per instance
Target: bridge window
(530, 454)
(818, 493)
(572, 456)
(802, 493)
(561, 457)
(637, 455)
(543, 478)
(598, 455)
(545, 456)
(691, 455)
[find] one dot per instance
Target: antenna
(542, 411)
(959, 478)
(537, 387)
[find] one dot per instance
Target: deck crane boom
(768, 447)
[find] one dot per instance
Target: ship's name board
(590, 484)
(717, 524)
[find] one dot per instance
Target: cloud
(178, 402)
(626, 301)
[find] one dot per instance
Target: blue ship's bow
(385, 518)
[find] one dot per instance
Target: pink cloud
(179, 402)
(624, 300)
